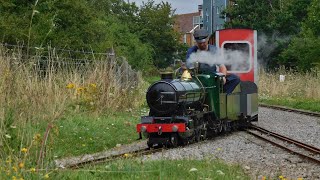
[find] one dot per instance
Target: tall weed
(34, 95)
(296, 85)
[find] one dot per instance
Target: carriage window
(237, 56)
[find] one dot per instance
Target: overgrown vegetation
(38, 99)
(298, 90)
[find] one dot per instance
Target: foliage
(86, 134)
(158, 31)
(304, 104)
(37, 100)
(279, 20)
(250, 14)
(281, 16)
(130, 168)
(304, 50)
(144, 36)
(298, 90)
(182, 51)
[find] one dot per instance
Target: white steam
(234, 60)
(267, 45)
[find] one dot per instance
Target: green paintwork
(214, 87)
(233, 110)
(233, 102)
(223, 105)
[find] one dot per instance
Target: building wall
(211, 14)
(207, 15)
(186, 23)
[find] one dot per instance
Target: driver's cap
(200, 35)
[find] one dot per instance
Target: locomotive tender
(192, 106)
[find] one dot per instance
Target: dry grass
(296, 85)
(31, 95)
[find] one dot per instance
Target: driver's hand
(183, 66)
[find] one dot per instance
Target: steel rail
(306, 147)
(295, 142)
(137, 153)
(299, 111)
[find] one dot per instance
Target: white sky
(181, 6)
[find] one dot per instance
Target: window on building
(207, 15)
(237, 56)
(196, 20)
(185, 38)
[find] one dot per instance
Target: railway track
(131, 154)
(299, 111)
(303, 150)
(125, 151)
(78, 162)
(131, 151)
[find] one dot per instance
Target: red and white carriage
(245, 41)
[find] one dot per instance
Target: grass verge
(162, 169)
(84, 134)
(304, 104)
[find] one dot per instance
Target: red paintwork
(153, 128)
(240, 35)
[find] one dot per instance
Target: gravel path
(256, 156)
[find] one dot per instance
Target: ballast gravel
(258, 157)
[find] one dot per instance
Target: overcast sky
(181, 6)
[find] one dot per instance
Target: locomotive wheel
(203, 135)
(174, 140)
(197, 135)
(225, 128)
(185, 142)
(204, 132)
(220, 127)
(150, 145)
(234, 126)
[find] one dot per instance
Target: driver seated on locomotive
(201, 38)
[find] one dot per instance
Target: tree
(156, 28)
(145, 36)
(254, 14)
(279, 20)
(304, 50)
(78, 25)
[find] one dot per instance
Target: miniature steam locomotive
(192, 106)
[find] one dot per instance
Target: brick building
(185, 24)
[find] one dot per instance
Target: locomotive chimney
(167, 75)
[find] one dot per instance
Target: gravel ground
(256, 156)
